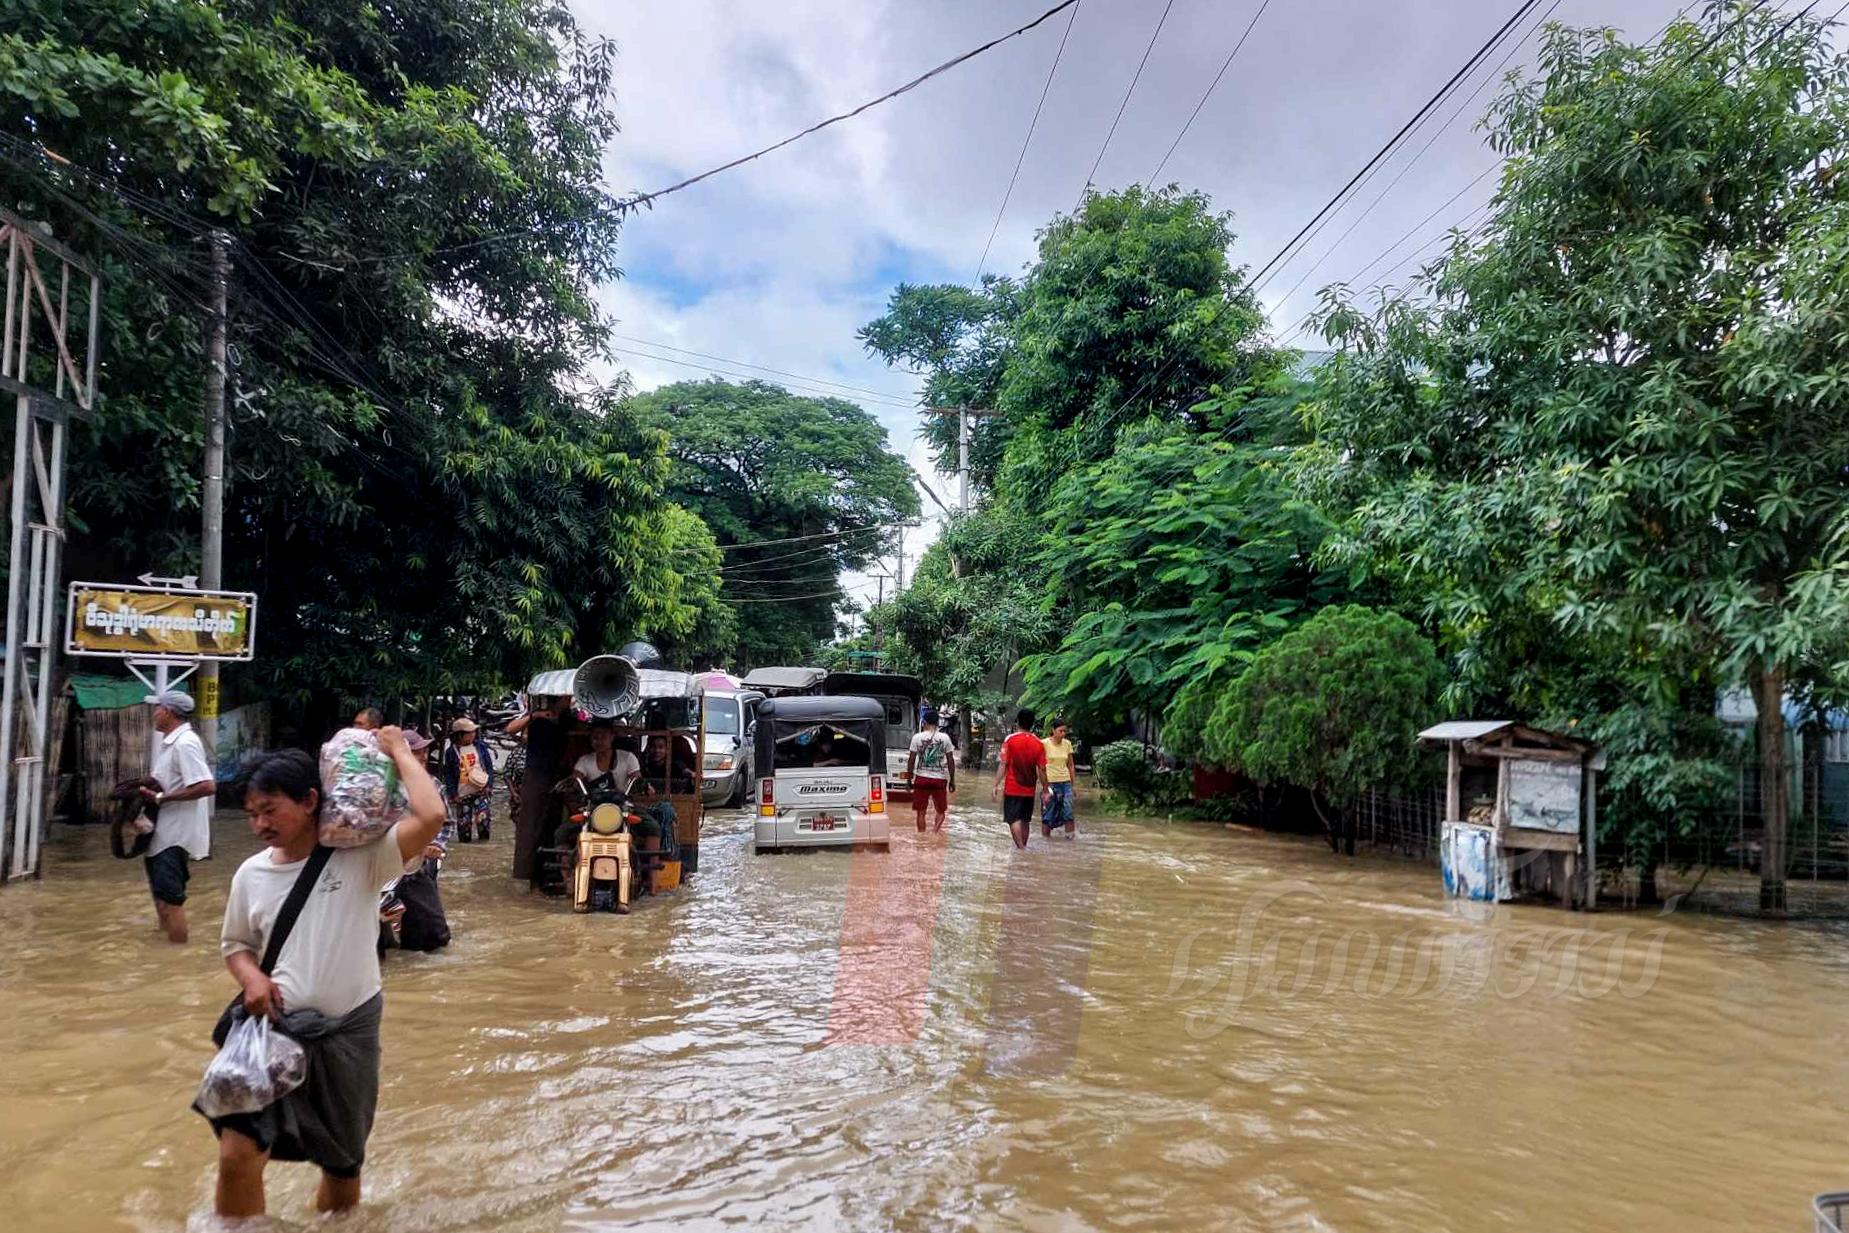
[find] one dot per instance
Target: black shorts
(1017, 810)
(168, 870)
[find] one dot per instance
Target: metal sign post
(39, 272)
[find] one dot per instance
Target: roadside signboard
(160, 622)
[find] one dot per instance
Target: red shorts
(925, 792)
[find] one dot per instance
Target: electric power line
(1092, 175)
(1719, 32)
(1413, 161)
(1521, 12)
(1026, 141)
(641, 199)
(1214, 85)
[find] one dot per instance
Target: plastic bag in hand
(257, 1067)
(361, 794)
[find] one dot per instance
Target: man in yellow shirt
(1057, 811)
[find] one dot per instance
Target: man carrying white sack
(183, 831)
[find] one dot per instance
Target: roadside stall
(1521, 812)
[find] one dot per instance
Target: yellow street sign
(130, 622)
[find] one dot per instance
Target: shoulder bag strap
(292, 906)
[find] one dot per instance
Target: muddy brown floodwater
(1157, 1027)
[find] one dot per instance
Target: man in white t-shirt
(931, 765)
(183, 832)
(606, 759)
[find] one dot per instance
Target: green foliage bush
(1334, 705)
(1125, 771)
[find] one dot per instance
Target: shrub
(1124, 770)
(1334, 706)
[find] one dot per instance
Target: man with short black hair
(931, 765)
(1020, 777)
(369, 718)
(183, 832)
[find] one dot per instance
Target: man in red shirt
(1020, 777)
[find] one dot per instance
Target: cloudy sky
(777, 263)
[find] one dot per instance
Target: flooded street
(1158, 1027)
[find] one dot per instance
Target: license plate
(822, 822)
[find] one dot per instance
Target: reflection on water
(1155, 1027)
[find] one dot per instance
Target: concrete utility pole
(964, 416)
(212, 497)
(898, 586)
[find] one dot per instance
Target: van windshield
(722, 716)
(820, 745)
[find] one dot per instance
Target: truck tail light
(767, 808)
(876, 798)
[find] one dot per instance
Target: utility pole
(964, 416)
(898, 586)
(212, 498)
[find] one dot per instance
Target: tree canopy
(418, 485)
(796, 489)
(1621, 405)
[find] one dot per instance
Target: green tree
(418, 222)
(1334, 706)
(796, 489)
(1176, 558)
(970, 610)
(1621, 406)
(1131, 310)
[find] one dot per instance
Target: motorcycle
(598, 865)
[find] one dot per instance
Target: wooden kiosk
(1521, 812)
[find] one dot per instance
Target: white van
(821, 774)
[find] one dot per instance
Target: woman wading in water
(323, 990)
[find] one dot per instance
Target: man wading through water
(323, 990)
(1020, 777)
(183, 832)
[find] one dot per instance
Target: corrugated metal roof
(557, 683)
(1465, 729)
(654, 682)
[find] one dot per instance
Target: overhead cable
(1092, 175)
(1212, 86)
(1393, 143)
(641, 199)
(1026, 141)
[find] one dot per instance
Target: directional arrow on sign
(188, 582)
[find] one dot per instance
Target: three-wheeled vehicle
(901, 695)
(604, 834)
(821, 773)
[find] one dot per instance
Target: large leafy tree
(1131, 310)
(1132, 320)
(1174, 559)
(1621, 407)
(797, 490)
(418, 486)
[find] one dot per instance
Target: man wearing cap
(183, 832)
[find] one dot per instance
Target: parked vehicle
(729, 758)
(821, 773)
(902, 697)
(780, 682)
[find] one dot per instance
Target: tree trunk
(1647, 893)
(1774, 786)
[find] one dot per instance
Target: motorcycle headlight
(718, 762)
(607, 818)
